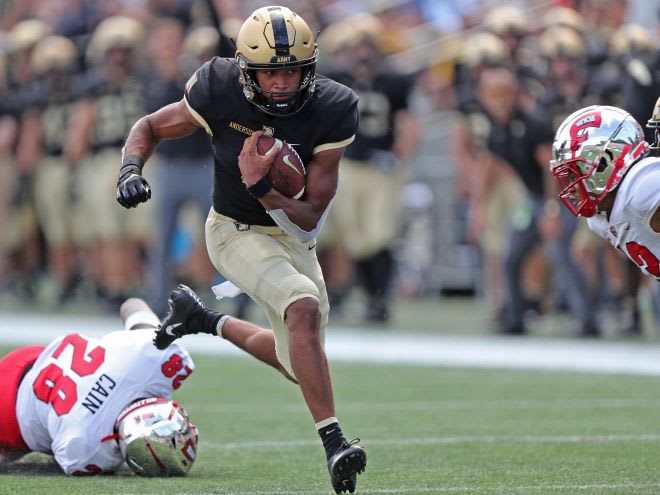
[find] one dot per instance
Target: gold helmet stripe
(279, 31)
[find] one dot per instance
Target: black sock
(205, 321)
(332, 438)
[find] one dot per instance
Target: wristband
(131, 164)
(259, 188)
(133, 160)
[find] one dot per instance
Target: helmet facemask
(264, 100)
(157, 438)
(577, 187)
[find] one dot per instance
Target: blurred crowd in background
(446, 191)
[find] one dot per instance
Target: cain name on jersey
(214, 96)
(68, 403)
(629, 225)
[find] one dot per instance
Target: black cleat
(184, 304)
(344, 466)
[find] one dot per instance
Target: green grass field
(427, 430)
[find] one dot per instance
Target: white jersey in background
(629, 225)
(68, 402)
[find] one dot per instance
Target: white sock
(326, 422)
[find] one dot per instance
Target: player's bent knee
(303, 314)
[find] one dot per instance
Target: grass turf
(426, 430)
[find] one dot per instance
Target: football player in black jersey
(48, 108)
(109, 99)
(260, 240)
(375, 165)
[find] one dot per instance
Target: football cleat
(344, 466)
(184, 304)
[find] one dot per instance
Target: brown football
(287, 173)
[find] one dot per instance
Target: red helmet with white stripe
(157, 438)
(592, 151)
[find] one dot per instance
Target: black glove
(132, 188)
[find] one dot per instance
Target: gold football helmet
(507, 20)
(26, 34)
(561, 41)
(115, 32)
(201, 40)
(275, 38)
(54, 52)
(484, 49)
(631, 39)
(563, 16)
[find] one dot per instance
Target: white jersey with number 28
(629, 225)
(68, 402)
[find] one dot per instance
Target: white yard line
(443, 405)
(519, 490)
(448, 440)
(392, 346)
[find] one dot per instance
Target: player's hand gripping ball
(287, 173)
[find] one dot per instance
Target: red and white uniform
(68, 403)
(629, 225)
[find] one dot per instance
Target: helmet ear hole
(602, 165)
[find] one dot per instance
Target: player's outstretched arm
(170, 122)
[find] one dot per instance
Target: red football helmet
(592, 151)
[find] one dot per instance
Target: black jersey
(53, 99)
(641, 88)
(516, 143)
(215, 96)
(117, 107)
(380, 99)
(556, 107)
(478, 123)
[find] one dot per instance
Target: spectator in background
(374, 165)
(521, 140)
(45, 121)
(20, 233)
(603, 18)
(490, 208)
(111, 99)
(512, 25)
(184, 168)
(640, 88)
(569, 87)
(8, 131)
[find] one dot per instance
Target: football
(287, 173)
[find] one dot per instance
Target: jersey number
(644, 258)
(53, 387)
(171, 367)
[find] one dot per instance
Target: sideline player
(605, 173)
(260, 240)
(97, 403)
